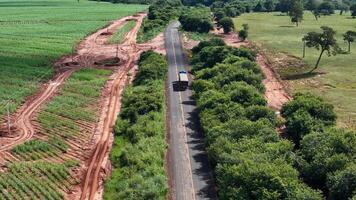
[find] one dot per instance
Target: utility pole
(8, 119)
(117, 50)
(303, 48)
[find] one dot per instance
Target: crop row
(38, 180)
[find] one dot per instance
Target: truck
(183, 79)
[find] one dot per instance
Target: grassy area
(198, 36)
(337, 80)
(33, 34)
(119, 36)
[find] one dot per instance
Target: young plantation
(62, 121)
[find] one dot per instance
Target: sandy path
(275, 93)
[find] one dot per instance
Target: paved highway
(189, 169)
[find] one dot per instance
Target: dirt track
(275, 93)
(90, 52)
(111, 110)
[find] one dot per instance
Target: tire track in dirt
(109, 115)
(87, 51)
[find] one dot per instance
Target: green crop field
(33, 34)
(337, 80)
(61, 121)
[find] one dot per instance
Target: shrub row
(250, 160)
(197, 19)
(139, 147)
(326, 155)
(159, 15)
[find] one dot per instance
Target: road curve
(189, 169)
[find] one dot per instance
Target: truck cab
(183, 79)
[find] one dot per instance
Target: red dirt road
(275, 93)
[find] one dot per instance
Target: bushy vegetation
(159, 15)
(196, 19)
(36, 180)
(325, 153)
(119, 35)
(139, 147)
(36, 33)
(250, 160)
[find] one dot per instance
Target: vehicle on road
(183, 79)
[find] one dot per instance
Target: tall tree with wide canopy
(349, 37)
(325, 42)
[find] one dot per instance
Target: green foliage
(326, 8)
(324, 41)
(349, 37)
(197, 19)
(323, 153)
(250, 160)
(152, 67)
(34, 34)
(36, 180)
(342, 183)
(296, 11)
(119, 36)
(139, 146)
(159, 15)
(243, 33)
(307, 113)
(227, 24)
(353, 10)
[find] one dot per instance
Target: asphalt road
(190, 172)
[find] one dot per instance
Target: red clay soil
(275, 93)
(89, 52)
(99, 165)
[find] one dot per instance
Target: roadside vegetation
(250, 160)
(138, 153)
(32, 37)
(283, 45)
(159, 15)
(119, 35)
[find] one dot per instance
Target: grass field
(337, 80)
(33, 34)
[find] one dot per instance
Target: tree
(326, 8)
(283, 6)
(344, 8)
(296, 11)
(269, 5)
(227, 24)
(324, 153)
(259, 7)
(324, 41)
(342, 184)
(349, 37)
(219, 14)
(243, 33)
(353, 10)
